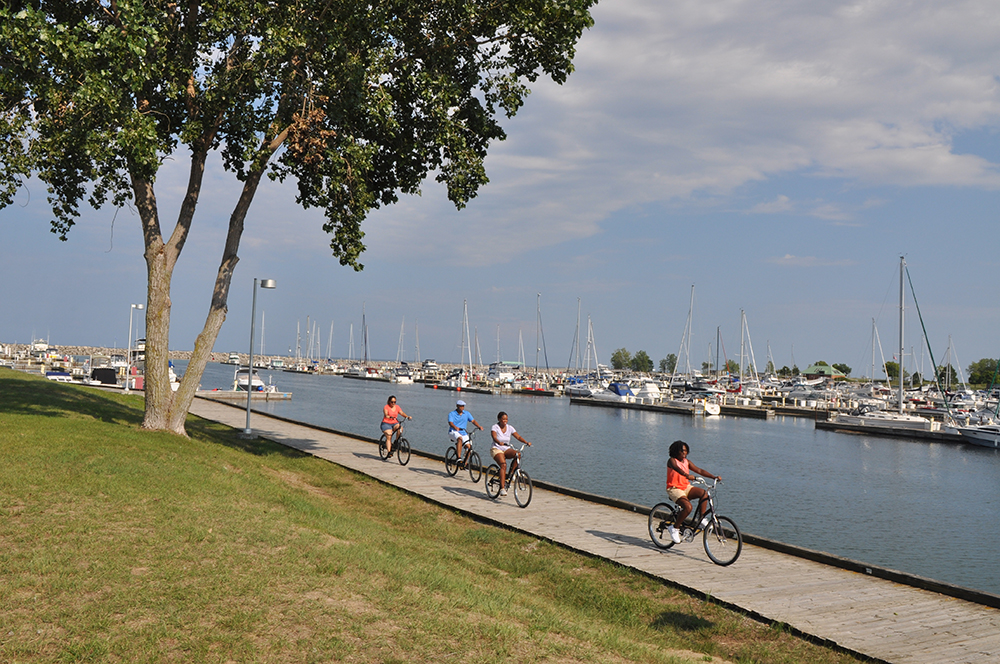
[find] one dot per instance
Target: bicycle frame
(519, 480)
(722, 539)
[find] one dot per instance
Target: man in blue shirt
(458, 420)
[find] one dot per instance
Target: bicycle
(518, 479)
(470, 460)
(722, 539)
(400, 447)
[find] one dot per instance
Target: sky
(778, 157)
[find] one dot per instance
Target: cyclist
(501, 450)
(458, 420)
(390, 422)
(679, 489)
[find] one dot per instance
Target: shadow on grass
(23, 394)
(219, 434)
(684, 622)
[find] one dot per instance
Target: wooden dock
(850, 607)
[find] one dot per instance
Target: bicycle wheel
(451, 461)
(403, 451)
(475, 467)
(661, 516)
(522, 488)
(493, 481)
(383, 451)
(723, 542)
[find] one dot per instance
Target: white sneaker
(675, 534)
(503, 492)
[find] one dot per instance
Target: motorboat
(887, 419)
(984, 435)
(240, 381)
(402, 376)
(615, 392)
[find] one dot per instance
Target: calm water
(926, 509)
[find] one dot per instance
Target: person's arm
(674, 464)
(703, 473)
(404, 414)
(451, 423)
(496, 441)
(385, 412)
(477, 424)
(518, 436)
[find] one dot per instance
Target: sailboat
(885, 418)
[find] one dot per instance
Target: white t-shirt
(502, 438)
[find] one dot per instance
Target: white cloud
(809, 261)
(780, 204)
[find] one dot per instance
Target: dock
(876, 613)
(241, 396)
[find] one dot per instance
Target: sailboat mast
(902, 267)
(468, 341)
(578, 335)
(399, 344)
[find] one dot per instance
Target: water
(923, 508)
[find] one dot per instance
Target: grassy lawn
(120, 545)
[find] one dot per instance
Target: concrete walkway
(866, 615)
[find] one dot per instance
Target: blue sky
(779, 156)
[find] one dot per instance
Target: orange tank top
(674, 479)
(390, 414)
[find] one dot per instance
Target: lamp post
(264, 283)
(128, 357)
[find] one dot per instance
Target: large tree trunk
(181, 402)
(165, 409)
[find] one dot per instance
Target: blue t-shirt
(460, 420)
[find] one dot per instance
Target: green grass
(121, 545)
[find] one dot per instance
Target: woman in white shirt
(501, 450)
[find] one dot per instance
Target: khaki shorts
(676, 494)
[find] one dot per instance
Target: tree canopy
(355, 102)
(642, 362)
(982, 372)
(621, 359)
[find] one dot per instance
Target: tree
(668, 364)
(357, 102)
(641, 362)
(892, 371)
(820, 363)
(982, 371)
(621, 359)
(732, 366)
(842, 368)
(947, 375)
(784, 371)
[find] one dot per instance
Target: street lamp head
(138, 306)
(267, 283)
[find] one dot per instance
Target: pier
(876, 613)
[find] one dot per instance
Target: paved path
(874, 617)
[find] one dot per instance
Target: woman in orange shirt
(390, 422)
(679, 487)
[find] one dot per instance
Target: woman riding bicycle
(390, 422)
(501, 450)
(679, 487)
